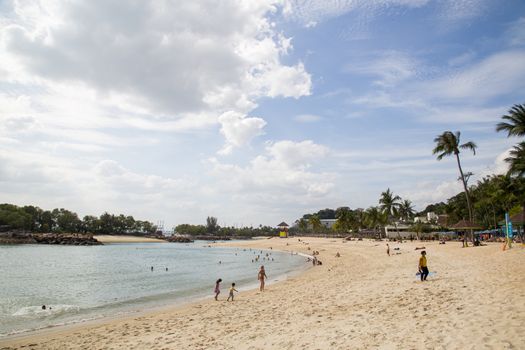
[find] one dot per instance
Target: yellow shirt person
(423, 261)
(423, 268)
(232, 289)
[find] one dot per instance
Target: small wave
(50, 310)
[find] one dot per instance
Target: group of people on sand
(261, 276)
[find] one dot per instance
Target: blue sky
(253, 112)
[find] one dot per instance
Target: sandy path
(363, 300)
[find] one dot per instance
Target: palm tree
(374, 218)
(344, 221)
(447, 144)
(517, 160)
(516, 122)
(389, 205)
(515, 127)
(406, 210)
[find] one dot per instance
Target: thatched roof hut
(465, 225)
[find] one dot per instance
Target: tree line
(484, 203)
(59, 220)
(212, 228)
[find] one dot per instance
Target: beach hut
(283, 229)
(464, 226)
(518, 221)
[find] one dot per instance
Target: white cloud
(173, 60)
(423, 193)
(307, 118)
(282, 173)
(391, 67)
(238, 129)
(311, 11)
(495, 75)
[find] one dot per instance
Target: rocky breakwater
(16, 237)
(65, 239)
(213, 238)
(179, 239)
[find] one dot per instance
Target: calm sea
(84, 283)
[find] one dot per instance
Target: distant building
(328, 223)
(429, 218)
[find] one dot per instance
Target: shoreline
(364, 299)
(174, 306)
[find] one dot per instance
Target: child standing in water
(232, 289)
(217, 288)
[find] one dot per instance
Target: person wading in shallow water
(261, 277)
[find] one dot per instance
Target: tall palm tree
(448, 144)
(406, 210)
(515, 125)
(389, 205)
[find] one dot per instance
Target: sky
(253, 112)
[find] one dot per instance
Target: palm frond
(469, 145)
(515, 121)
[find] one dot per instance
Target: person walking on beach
(423, 269)
(388, 249)
(217, 288)
(261, 277)
(232, 289)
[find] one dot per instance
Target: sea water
(78, 283)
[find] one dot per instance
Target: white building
(328, 223)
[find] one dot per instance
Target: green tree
(375, 219)
(90, 224)
(211, 225)
(448, 144)
(389, 205)
(66, 221)
(315, 222)
(406, 210)
(302, 225)
(345, 220)
(14, 217)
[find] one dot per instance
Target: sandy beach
(126, 239)
(361, 300)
